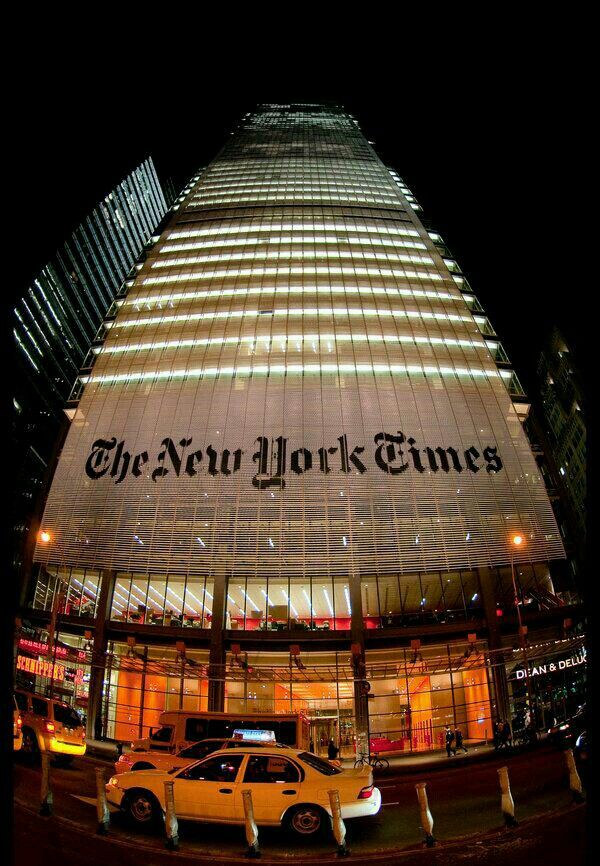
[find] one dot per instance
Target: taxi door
(274, 781)
(206, 791)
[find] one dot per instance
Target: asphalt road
(464, 799)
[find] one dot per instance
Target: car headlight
(114, 781)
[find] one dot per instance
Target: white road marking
(91, 801)
(395, 803)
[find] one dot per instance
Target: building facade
(562, 417)
(294, 469)
(57, 319)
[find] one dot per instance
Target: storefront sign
(41, 668)
(43, 649)
(551, 667)
(271, 459)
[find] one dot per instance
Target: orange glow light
(45, 536)
(517, 540)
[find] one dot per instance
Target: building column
(499, 678)
(216, 658)
(98, 667)
(361, 700)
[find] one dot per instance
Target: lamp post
(517, 540)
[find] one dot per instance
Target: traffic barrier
(101, 804)
(250, 825)
(171, 825)
(337, 823)
(47, 801)
(574, 780)
(507, 802)
(426, 816)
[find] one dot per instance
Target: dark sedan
(565, 734)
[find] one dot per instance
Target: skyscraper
(58, 316)
(299, 436)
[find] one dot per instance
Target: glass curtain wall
(323, 603)
(143, 682)
(80, 588)
(172, 600)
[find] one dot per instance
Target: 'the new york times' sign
(274, 459)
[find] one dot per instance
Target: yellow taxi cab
(50, 726)
(17, 727)
(289, 788)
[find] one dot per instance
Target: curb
(473, 843)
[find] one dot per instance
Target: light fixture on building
(45, 536)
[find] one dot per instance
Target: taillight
(49, 726)
(365, 793)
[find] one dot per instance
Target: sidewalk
(404, 762)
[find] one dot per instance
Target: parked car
(133, 761)
(564, 734)
(289, 788)
(50, 726)
(17, 727)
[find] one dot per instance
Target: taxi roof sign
(255, 735)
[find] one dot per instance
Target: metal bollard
(337, 823)
(250, 825)
(47, 801)
(101, 804)
(426, 816)
(171, 825)
(507, 802)
(574, 780)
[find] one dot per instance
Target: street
(463, 800)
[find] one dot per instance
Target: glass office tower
(54, 324)
(300, 435)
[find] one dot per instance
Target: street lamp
(517, 540)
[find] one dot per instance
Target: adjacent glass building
(299, 453)
(56, 321)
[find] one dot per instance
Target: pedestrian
(506, 735)
(449, 741)
(458, 741)
(312, 747)
(332, 750)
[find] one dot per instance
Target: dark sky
(490, 166)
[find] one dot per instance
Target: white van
(181, 728)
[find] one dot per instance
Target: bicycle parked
(372, 761)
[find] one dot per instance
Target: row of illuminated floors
(282, 605)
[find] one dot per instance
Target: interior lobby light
(45, 536)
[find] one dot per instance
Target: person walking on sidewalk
(449, 741)
(332, 750)
(458, 740)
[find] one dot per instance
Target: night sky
(491, 172)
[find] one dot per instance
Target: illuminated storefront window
(144, 682)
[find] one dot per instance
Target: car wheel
(143, 808)
(30, 748)
(306, 820)
(143, 765)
